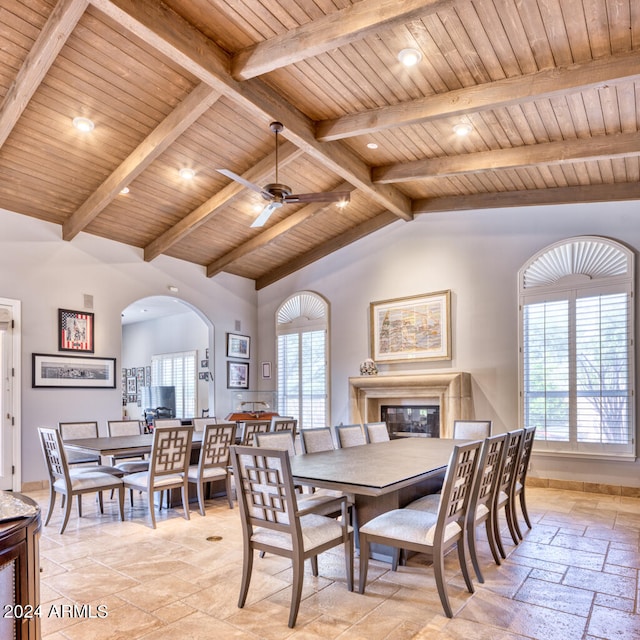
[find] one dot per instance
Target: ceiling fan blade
(246, 183)
(261, 220)
(324, 196)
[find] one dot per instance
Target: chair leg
(473, 551)
(101, 502)
(348, 556)
(152, 506)
(121, 501)
(523, 506)
(247, 566)
(67, 513)
(364, 562)
(185, 500)
(511, 522)
(79, 499)
(52, 502)
(296, 591)
(496, 531)
(438, 568)
(464, 565)
(395, 558)
(314, 566)
(491, 536)
(201, 497)
(229, 494)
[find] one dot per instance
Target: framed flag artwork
(75, 331)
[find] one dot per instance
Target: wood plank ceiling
(549, 87)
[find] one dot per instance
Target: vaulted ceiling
(548, 87)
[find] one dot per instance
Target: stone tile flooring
(575, 576)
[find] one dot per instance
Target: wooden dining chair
(166, 422)
(75, 482)
(350, 435)
(377, 432)
(522, 468)
(200, 423)
(168, 468)
(471, 429)
(250, 428)
(213, 461)
(314, 440)
(504, 492)
(432, 534)
(274, 522)
(78, 431)
(280, 423)
(276, 440)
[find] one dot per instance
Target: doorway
(10, 475)
(157, 333)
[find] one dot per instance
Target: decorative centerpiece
(368, 368)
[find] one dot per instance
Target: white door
(7, 413)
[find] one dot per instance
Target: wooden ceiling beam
(180, 119)
(343, 27)
(483, 97)
(54, 34)
(287, 153)
(273, 233)
(620, 145)
(370, 226)
(166, 31)
(531, 197)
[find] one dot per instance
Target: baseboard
(38, 485)
(587, 487)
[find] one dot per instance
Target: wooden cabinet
(20, 576)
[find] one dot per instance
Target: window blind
(177, 370)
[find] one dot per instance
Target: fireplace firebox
(406, 421)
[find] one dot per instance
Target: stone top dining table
(381, 476)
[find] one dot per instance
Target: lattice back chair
(377, 432)
(78, 431)
(213, 462)
(504, 490)
(281, 423)
(350, 435)
(132, 463)
(273, 522)
(430, 533)
(250, 428)
(471, 429)
(483, 497)
(200, 423)
(74, 482)
(168, 468)
(318, 439)
(276, 440)
(166, 422)
(518, 485)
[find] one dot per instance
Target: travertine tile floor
(574, 576)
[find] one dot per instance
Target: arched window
(302, 341)
(576, 347)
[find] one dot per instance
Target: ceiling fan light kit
(278, 194)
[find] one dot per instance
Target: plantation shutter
(177, 370)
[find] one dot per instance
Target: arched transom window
(576, 347)
(302, 342)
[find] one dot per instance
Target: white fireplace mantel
(451, 390)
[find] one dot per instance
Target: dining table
(380, 476)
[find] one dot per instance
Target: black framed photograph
(73, 372)
(75, 331)
(237, 375)
(238, 346)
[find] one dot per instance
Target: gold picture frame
(413, 328)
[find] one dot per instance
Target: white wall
(46, 273)
(477, 256)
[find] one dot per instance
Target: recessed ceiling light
(372, 145)
(186, 173)
(124, 191)
(462, 129)
(409, 57)
(83, 124)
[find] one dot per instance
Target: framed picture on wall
(73, 372)
(237, 375)
(238, 346)
(75, 331)
(413, 328)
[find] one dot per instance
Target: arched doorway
(167, 340)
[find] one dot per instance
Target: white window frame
(187, 394)
(301, 313)
(586, 266)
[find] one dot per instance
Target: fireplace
(450, 392)
(412, 420)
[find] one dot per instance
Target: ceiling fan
(278, 194)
